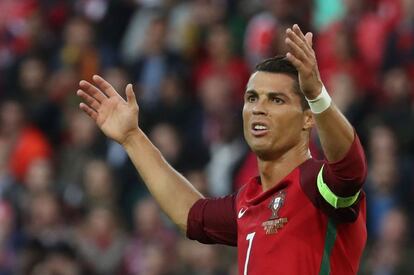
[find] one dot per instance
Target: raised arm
(118, 120)
(335, 132)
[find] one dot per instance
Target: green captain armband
(331, 198)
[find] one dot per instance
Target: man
(300, 215)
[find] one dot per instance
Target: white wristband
(321, 102)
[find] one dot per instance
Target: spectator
(43, 219)
(100, 241)
(390, 254)
(220, 60)
(155, 62)
(152, 242)
(26, 142)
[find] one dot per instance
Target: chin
(265, 154)
(264, 151)
(261, 150)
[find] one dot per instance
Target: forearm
(335, 133)
(172, 191)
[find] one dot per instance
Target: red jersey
(312, 222)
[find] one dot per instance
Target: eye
(251, 98)
(277, 100)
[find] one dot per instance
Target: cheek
(290, 125)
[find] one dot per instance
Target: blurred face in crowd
(102, 223)
(282, 9)
(384, 176)
(146, 216)
(171, 90)
(216, 95)
(394, 227)
(219, 43)
(11, 118)
(396, 85)
(155, 38)
(273, 118)
(82, 129)
(62, 83)
(44, 211)
(79, 33)
(344, 45)
(32, 76)
(154, 260)
(207, 12)
(39, 175)
(166, 138)
(98, 181)
(382, 144)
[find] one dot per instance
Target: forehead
(265, 82)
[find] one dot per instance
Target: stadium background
(70, 200)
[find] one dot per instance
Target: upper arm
(213, 221)
(346, 176)
(335, 187)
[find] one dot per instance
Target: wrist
(130, 137)
(321, 102)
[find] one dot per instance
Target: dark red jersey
(312, 222)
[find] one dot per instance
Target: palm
(116, 119)
(113, 115)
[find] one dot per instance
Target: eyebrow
(251, 91)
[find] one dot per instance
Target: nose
(259, 108)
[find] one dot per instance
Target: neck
(274, 170)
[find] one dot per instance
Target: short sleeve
(213, 221)
(335, 188)
(346, 177)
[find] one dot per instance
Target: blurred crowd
(71, 203)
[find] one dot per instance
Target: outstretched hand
(302, 56)
(116, 117)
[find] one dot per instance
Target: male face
(273, 118)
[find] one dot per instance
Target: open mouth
(259, 129)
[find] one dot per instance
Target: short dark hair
(280, 64)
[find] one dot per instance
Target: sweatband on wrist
(321, 102)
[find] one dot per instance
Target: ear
(308, 120)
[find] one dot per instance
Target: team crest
(275, 223)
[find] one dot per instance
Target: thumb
(130, 95)
(309, 38)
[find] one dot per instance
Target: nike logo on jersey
(241, 212)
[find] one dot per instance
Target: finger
(299, 33)
(89, 100)
(296, 50)
(105, 86)
(296, 62)
(298, 41)
(309, 38)
(91, 90)
(130, 95)
(89, 111)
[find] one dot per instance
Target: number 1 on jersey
(249, 238)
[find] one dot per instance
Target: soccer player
(300, 215)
